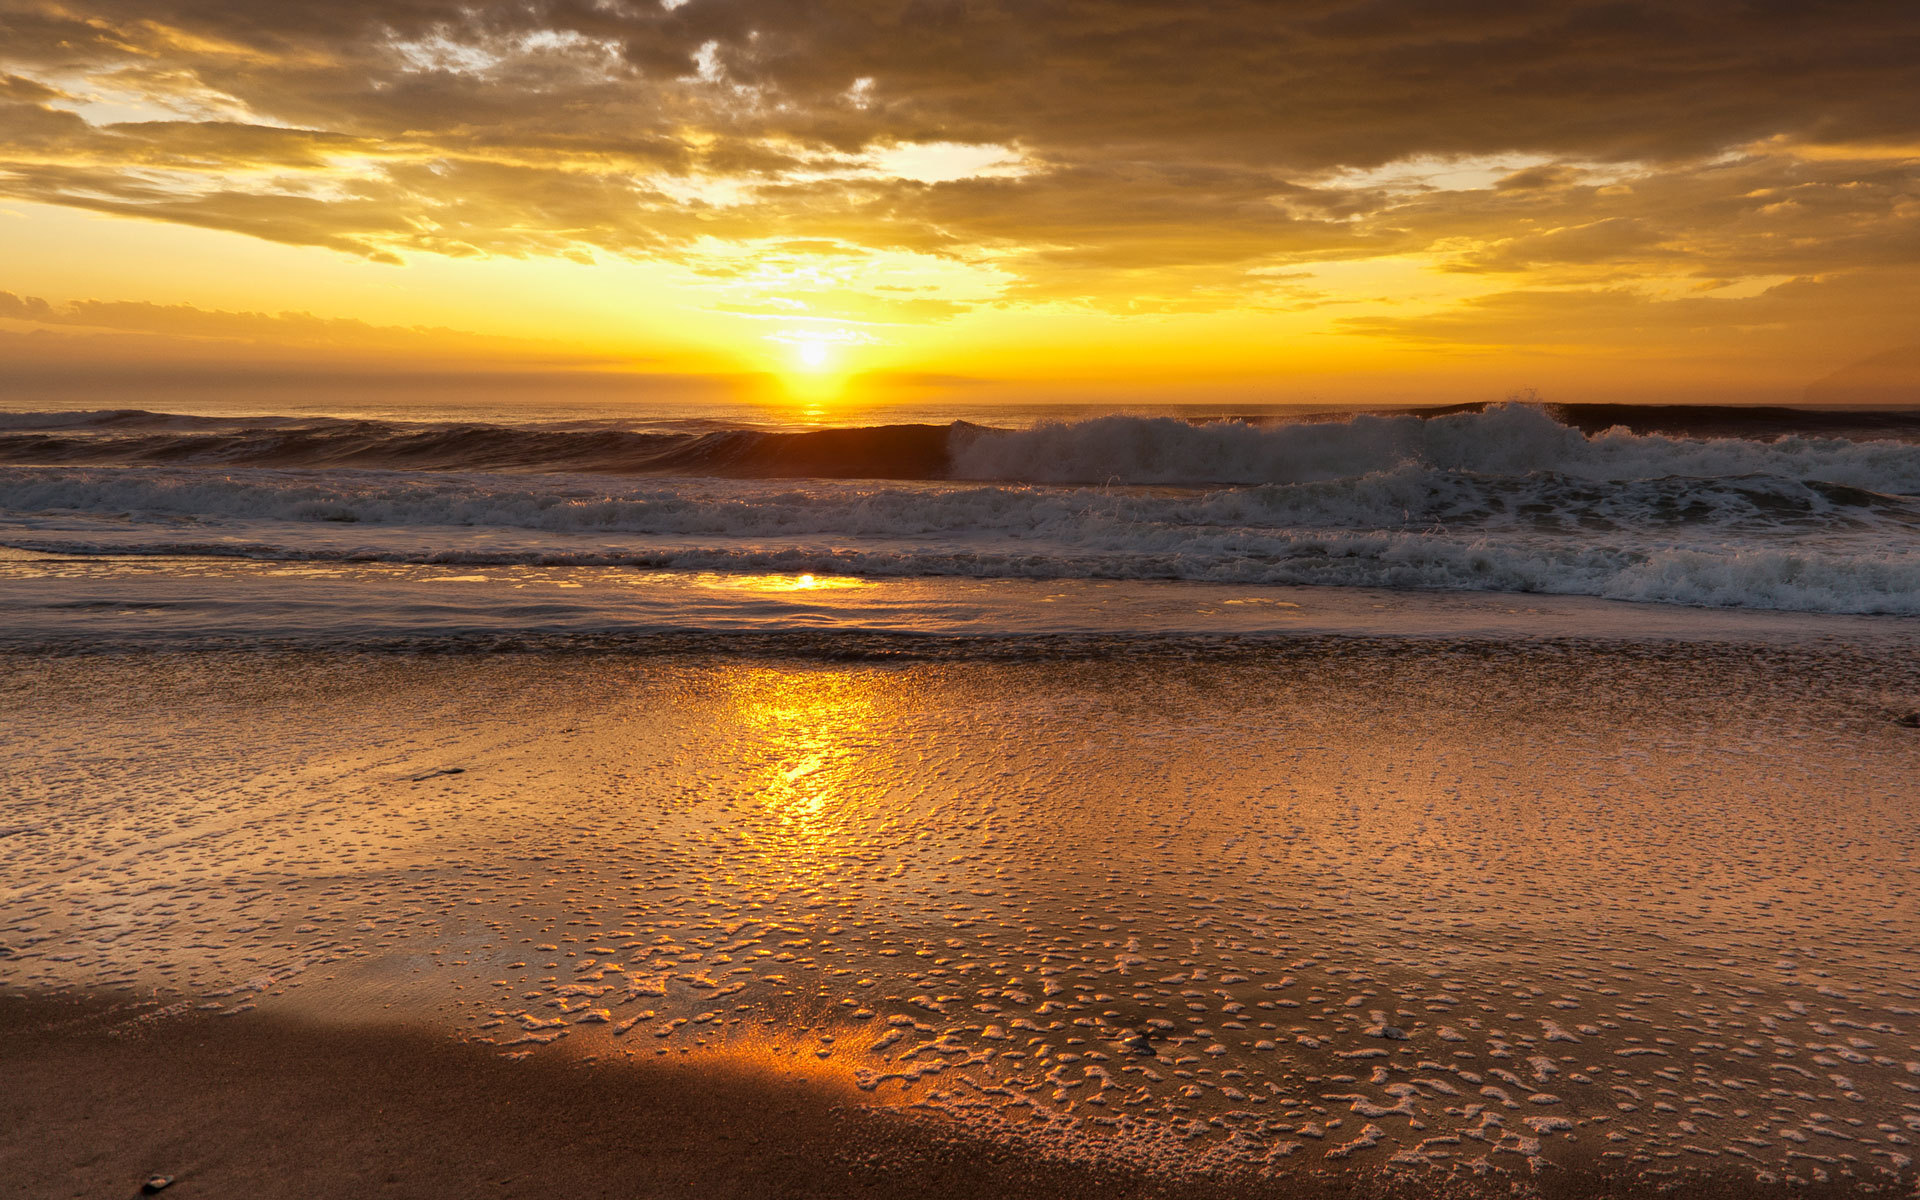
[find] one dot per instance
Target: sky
(1395, 201)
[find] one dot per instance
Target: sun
(813, 361)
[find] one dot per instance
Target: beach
(948, 599)
(1619, 908)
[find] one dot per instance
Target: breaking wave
(1505, 441)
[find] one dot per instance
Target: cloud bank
(1756, 161)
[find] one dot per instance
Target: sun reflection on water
(778, 582)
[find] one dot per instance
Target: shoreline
(69, 603)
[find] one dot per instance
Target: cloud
(25, 308)
(191, 330)
(123, 351)
(1119, 154)
(1544, 176)
(1705, 325)
(1891, 377)
(1610, 240)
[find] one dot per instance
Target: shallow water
(97, 601)
(1445, 904)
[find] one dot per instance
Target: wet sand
(1343, 916)
(103, 1096)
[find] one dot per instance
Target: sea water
(1752, 509)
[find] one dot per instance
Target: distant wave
(153, 439)
(1594, 440)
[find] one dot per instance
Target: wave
(1500, 441)
(1876, 451)
(1505, 498)
(141, 439)
(1407, 496)
(114, 419)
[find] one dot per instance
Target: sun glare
(815, 355)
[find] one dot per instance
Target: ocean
(1750, 509)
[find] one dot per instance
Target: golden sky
(1397, 200)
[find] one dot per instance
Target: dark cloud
(1298, 85)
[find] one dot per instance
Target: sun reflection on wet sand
(815, 726)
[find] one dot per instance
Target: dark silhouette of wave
(131, 439)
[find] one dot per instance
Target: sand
(102, 1097)
(266, 1108)
(1346, 915)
